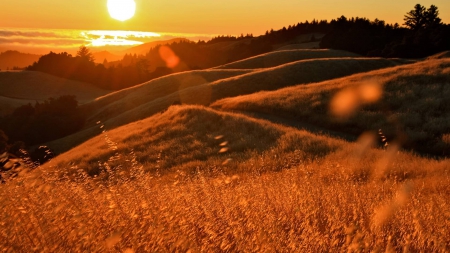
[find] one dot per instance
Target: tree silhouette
(415, 19)
(431, 17)
(85, 54)
(421, 17)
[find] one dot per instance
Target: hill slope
(31, 85)
(277, 58)
(413, 109)
(144, 48)
(188, 137)
(136, 103)
(217, 84)
(10, 59)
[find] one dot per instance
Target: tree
(431, 17)
(85, 54)
(415, 19)
(421, 17)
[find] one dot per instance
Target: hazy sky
(201, 16)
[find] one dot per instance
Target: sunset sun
(121, 9)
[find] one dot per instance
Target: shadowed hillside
(32, 85)
(306, 45)
(23, 87)
(413, 108)
(126, 99)
(7, 104)
(126, 106)
(277, 58)
(186, 135)
(222, 83)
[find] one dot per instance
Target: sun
(121, 9)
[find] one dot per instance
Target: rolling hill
(277, 58)
(144, 48)
(204, 87)
(10, 59)
(99, 57)
(226, 83)
(189, 177)
(22, 87)
(413, 109)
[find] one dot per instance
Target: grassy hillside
(139, 102)
(217, 84)
(197, 179)
(442, 55)
(30, 85)
(117, 102)
(413, 108)
(185, 135)
(277, 58)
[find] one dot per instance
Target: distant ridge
(99, 57)
(33, 85)
(10, 59)
(144, 48)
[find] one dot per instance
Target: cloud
(41, 40)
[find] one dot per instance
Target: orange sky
(200, 16)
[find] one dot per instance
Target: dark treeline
(227, 38)
(82, 68)
(43, 122)
(421, 35)
(424, 34)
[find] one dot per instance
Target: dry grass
(186, 135)
(226, 83)
(120, 101)
(413, 109)
(168, 186)
(441, 55)
(198, 87)
(277, 58)
(31, 85)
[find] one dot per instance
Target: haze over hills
(10, 59)
(144, 48)
(23, 87)
(100, 57)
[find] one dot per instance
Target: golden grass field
(195, 179)
(206, 176)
